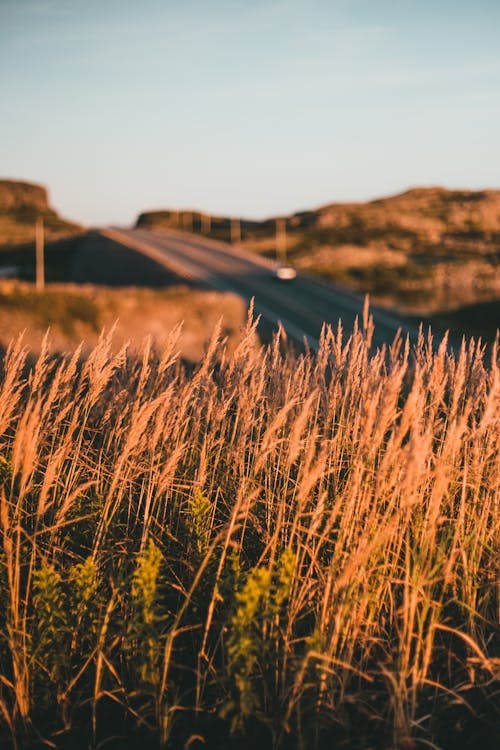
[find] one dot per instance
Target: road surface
(302, 306)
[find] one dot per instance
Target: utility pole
(40, 259)
(235, 231)
(206, 223)
(281, 240)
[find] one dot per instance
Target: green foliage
(68, 611)
(144, 628)
(145, 582)
(199, 520)
(254, 641)
(52, 616)
(86, 598)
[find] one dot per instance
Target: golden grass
(291, 550)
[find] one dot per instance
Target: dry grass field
(271, 550)
(78, 312)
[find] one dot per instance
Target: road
(301, 305)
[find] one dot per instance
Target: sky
(246, 107)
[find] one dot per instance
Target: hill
(425, 250)
(78, 312)
(21, 204)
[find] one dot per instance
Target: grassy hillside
(77, 313)
(266, 551)
(21, 204)
(426, 250)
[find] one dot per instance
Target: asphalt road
(301, 305)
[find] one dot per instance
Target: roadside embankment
(78, 313)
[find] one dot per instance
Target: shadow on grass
(481, 320)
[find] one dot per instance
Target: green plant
(255, 637)
(146, 618)
(51, 647)
(200, 513)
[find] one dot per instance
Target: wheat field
(273, 548)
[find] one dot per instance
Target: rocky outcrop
(15, 196)
(21, 204)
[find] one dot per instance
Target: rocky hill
(21, 204)
(19, 196)
(425, 250)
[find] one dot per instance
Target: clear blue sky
(249, 107)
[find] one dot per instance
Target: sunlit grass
(284, 549)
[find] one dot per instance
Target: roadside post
(206, 223)
(281, 240)
(235, 231)
(40, 255)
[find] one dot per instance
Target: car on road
(285, 273)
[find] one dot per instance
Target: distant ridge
(426, 249)
(21, 204)
(16, 195)
(459, 206)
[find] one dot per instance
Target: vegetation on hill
(21, 204)
(78, 312)
(426, 250)
(268, 550)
